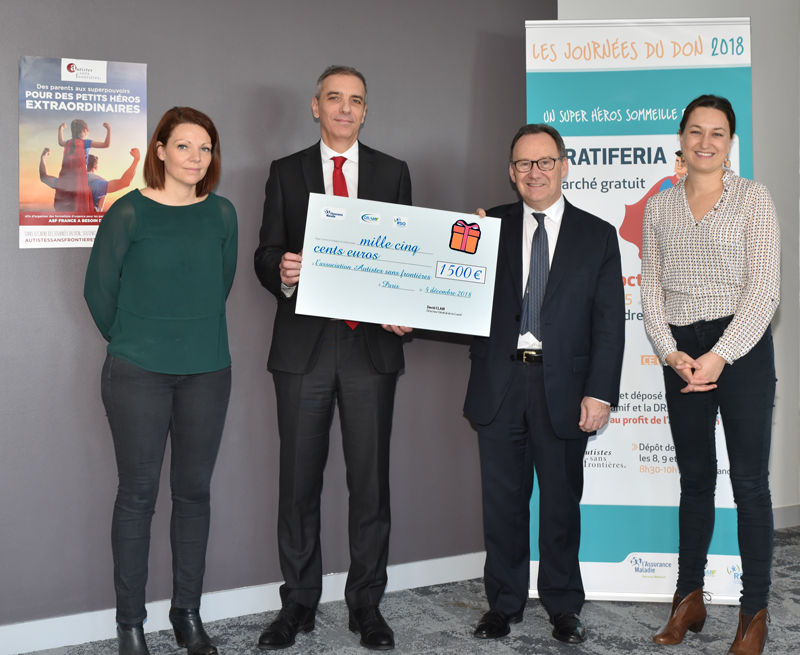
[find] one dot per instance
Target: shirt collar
(328, 153)
(554, 212)
(727, 178)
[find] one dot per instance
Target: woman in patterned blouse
(710, 286)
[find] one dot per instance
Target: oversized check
(378, 262)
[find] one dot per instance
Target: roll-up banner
(616, 91)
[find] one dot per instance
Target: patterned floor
(439, 621)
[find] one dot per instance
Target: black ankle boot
(189, 631)
(130, 639)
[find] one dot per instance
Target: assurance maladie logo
(333, 213)
(642, 565)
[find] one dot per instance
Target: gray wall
(446, 83)
(775, 33)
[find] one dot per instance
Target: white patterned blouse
(727, 264)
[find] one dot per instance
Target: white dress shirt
(350, 168)
(552, 224)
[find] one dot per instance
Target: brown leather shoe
(752, 641)
(687, 614)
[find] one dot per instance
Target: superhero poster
(82, 137)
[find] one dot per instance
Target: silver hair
(339, 70)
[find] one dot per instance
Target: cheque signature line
(392, 261)
(351, 243)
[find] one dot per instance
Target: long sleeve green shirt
(157, 282)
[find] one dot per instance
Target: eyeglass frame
(537, 163)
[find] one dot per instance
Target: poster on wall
(616, 91)
(82, 136)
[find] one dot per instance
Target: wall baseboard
(100, 625)
(786, 517)
(96, 626)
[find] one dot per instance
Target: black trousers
(344, 374)
(745, 396)
(520, 438)
(142, 408)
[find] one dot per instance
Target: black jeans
(142, 408)
(745, 396)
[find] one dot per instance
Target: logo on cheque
(333, 213)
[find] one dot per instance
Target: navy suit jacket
(296, 337)
(583, 321)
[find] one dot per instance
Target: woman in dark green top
(160, 271)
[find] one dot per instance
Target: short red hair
(154, 168)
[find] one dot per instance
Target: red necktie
(339, 183)
(340, 189)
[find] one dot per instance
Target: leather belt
(529, 356)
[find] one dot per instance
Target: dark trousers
(520, 438)
(343, 374)
(142, 408)
(745, 397)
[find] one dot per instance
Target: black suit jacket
(583, 321)
(296, 337)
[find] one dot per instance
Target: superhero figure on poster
(98, 186)
(631, 228)
(72, 190)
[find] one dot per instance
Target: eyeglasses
(544, 164)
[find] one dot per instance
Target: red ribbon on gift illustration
(464, 237)
(467, 227)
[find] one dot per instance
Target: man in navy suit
(317, 363)
(542, 383)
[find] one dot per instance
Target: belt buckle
(533, 354)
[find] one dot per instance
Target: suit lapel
(312, 169)
(366, 173)
(511, 237)
(563, 257)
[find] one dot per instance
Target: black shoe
(189, 632)
(130, 639)
(292, 618)
(375, 632)
(495, 624)
(567, 627)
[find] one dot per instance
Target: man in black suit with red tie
(542, 383)
(317, 363)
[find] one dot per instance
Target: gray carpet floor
(439, 620)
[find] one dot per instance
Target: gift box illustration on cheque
(464, 237)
